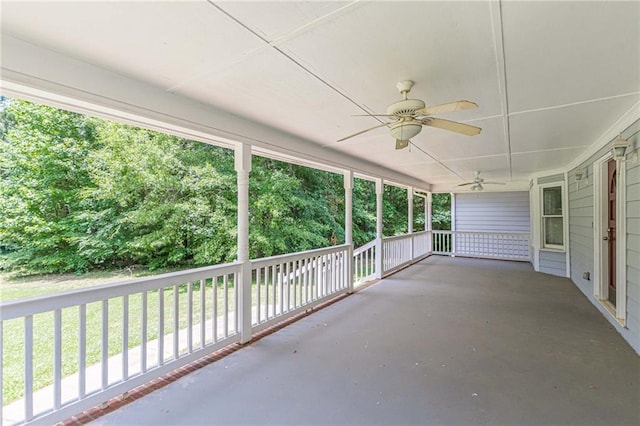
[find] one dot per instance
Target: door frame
(600, 264)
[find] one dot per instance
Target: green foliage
(82, 194)
(441, 212)
(43, 165)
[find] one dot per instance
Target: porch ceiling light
(619, 148)
(405, 130)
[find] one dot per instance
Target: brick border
(113, 404)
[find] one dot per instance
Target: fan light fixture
(405, 130)
(619, 148)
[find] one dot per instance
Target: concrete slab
(446, 341)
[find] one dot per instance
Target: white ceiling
(550, 78)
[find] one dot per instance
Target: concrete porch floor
(446, 341)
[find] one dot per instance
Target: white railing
(402, 250)
(421, 244)
(364, 263)
(96, 343)
(488, 245)
(111, 338)
(286, 285)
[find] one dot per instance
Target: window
(552, 219)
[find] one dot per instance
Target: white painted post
(348, 225)
(243, 168)
(410, 219)
(428, 226)
(379, 254)
(453, 225)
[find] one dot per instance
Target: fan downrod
(404, 87)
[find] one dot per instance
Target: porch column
(379, 254)
(453, 225)
(348, 225)
(428, 226)
(243, 168)
(410, 218)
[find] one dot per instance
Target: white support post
(410, 218)
(410, 210)
(348, 225)
(453, 224)
(379, 254)
(243, 168)
(428, 226)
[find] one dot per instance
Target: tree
(43, 168)
(441, 211)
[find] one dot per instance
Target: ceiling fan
(477, 184)
(411, 114)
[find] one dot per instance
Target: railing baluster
(143, 331)
(105, 344)
(258, 296)
(236, 303)
(28, 367)
(57, 358)
(203, 317)
(281, 288)
(82, 351)
(176, 323)
(274, 288)
(190, 317)
(288, 267)
(160, 327)
(125, 337)
(214, 323)
(225, 296)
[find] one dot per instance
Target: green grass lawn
(13, 330)
(43, 324)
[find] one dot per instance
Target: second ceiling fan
(411, 114)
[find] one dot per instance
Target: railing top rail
(398, 237)
(264, 261)
(482, 233)
(364, 247)
(38, 304)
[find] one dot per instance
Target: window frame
(563, 208)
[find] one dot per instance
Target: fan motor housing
(406, 107)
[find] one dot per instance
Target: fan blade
(453, 126)
(448, 107)
(467, 183)
(494, 183)
(372, 115)
(363, 131)
(402, 143)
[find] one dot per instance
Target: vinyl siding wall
(550, 261)
(581, 237)
(553, 263)
(492, 212)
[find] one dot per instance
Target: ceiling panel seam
(497, 30)
(574, 103)
(319, 78)
(289, 57)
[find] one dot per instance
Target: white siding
(492, 212)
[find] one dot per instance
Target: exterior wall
(553, 262)
(581, 237)
(492, 212)
(548, 261)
